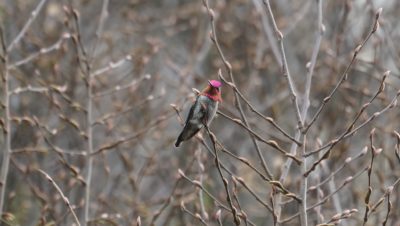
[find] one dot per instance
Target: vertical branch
(88, 81)
(86, 60)
(304, 110)
(5, 78)
(7, 127)
(89, 131)
(311, 65)
(303, 187)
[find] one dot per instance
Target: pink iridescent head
(215, 83)
(213, 90)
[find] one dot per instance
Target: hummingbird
(202, 111)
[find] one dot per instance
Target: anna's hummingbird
(202, 111)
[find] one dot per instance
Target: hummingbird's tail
(188, 132)
(179, 140)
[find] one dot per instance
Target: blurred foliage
(170, 52)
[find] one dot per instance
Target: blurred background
(135, 63)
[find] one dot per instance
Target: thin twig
(99, 32)
(65, 199)
(313, 61)
(337, 218)
(132, 85)
(397, 146)
(41, 52)
(194, 215)
(126, 139)
(236, 198)
(30, 150)
(268, 31)
(389, 205)
(381, 199)
(374, 153)
(111, 66)
(29, 89)
(102, 120)
(32, 18)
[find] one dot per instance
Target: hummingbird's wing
(200, 114)
(192, 124)
(203, 110)
(191, 111)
